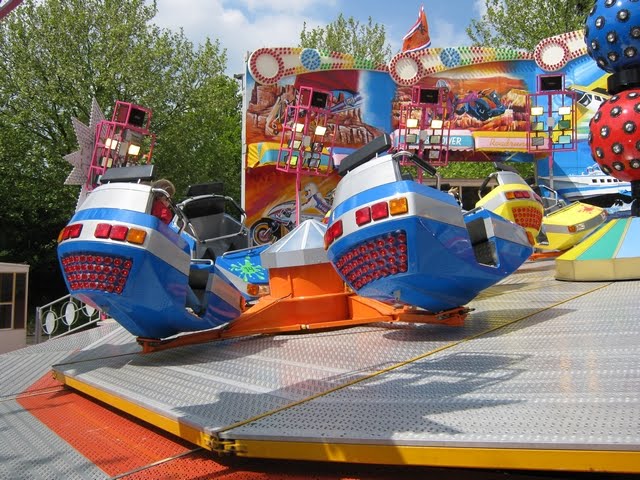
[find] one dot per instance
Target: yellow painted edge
(594, 270)
(472, 457)
(579, 249)
(627, 268)
(165, 423)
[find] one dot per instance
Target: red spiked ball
(614, 136)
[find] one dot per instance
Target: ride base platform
(542, 379)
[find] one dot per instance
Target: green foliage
(480, 169)
(349, 36)
(55, 56)
(523, 23)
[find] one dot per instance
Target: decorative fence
(63, 316)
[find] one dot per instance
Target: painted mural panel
(485, 111)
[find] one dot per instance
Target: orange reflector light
(119, 232)
(102, 230)
(572, 229)
(379, 210)
(398, 206)
(61, 234)
(363, 216)
(510, 195)
(257, 290)
(136, 236)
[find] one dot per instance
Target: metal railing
(64, 316)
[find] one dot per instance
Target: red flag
(418, 36)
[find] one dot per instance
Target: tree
(349, 36)
(523, 23)
(55, 56)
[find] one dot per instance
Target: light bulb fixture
(412, 123)
(537, 111)
(436, 123)
(564, 110)
(134, 150)
(320, 130)
(299, 127)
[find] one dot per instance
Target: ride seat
(205, 214)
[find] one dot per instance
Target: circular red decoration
(614, 136)
(552, 54)
(266, 65)
(406, 69)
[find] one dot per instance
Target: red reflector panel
(74, 230)
(376, 258)
(102, 230)
(333, 232)
(119, 232)
(521, 194)
(380, 210)
(363, 216)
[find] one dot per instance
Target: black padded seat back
(204, 207)
(209, 188)
(218, 236)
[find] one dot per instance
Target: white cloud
(480, 7)
(239, 31)
(446, 34)
(286, 6)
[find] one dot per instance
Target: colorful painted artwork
(487, 97)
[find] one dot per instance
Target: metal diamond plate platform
(543, 376)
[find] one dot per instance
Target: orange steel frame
(306, 298)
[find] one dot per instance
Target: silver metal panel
(304, 245)
(565, 377)
(19, 369)
(126, 196)
(216, 385)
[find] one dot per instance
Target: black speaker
(136, 117)
(429, 95)
(319, 99)
(551, 82)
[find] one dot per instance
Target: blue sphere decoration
(310, 59)
(612, 34)
(450, 57)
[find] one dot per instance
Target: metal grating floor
(544, 375)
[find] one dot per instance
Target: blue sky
(245, 25)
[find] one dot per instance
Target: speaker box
(551, 82)
(319, 99)
(429, 95)
(136, 117)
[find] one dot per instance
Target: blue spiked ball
(612, 34)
